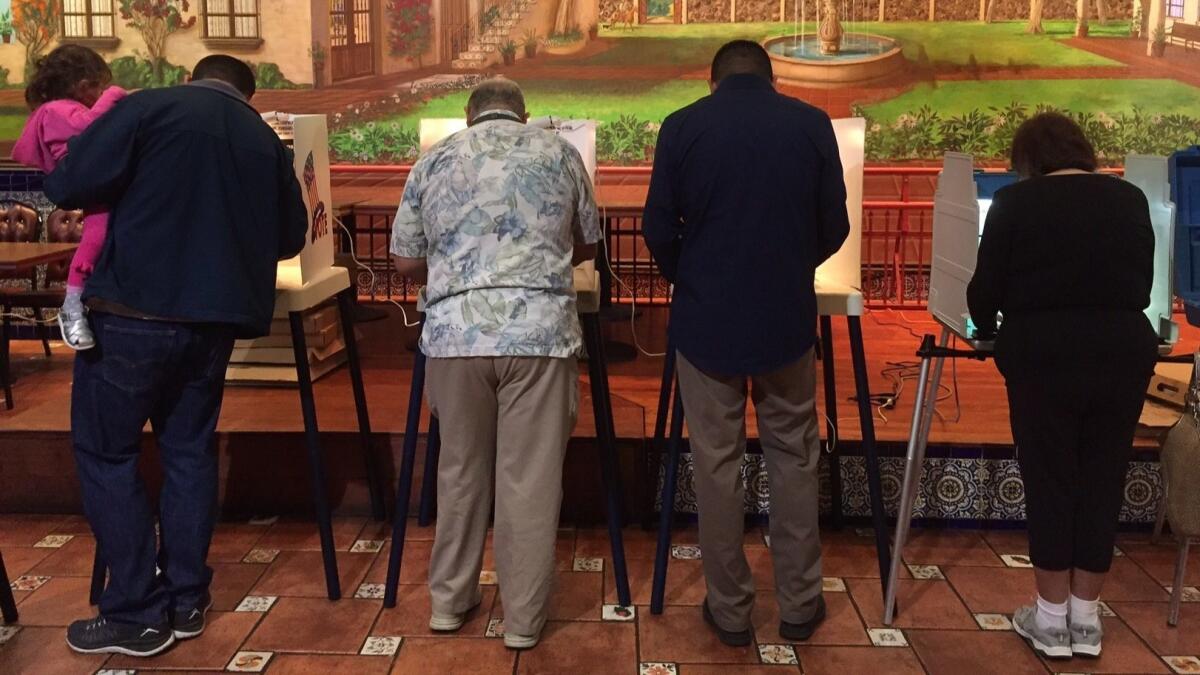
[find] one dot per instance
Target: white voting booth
(307, 280)
(839, 279)
(960, 210)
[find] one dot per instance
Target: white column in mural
(732, 11)
(683, 12)
(1157, 22)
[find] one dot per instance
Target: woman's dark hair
(57, 75)
(1049, 142)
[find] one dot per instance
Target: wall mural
(930, 75)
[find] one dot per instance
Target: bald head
(496, 94)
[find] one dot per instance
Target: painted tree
(1035, 17)
(564, 17)
(156, 20)
(410, 28)
(36, 23)
(1082, 10)
(1102, 12)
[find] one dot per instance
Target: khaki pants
(715, 409)
(507, 419)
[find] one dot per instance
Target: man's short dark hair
(498, 93)
(741, 57)
(226, 69)
(1050, 142)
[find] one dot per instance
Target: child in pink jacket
(68, 91)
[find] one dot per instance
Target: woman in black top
(1066, 258)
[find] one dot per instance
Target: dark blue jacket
(747, 198)
(204, 203)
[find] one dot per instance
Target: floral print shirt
(496, 210)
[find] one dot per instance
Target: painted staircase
(484, 50)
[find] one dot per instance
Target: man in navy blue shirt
(746, 200)
(204, 203)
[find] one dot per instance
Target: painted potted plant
(1158, 46)
(508, 51)
(318, 55)
(530, 43)
(6, 27)
(567, 42)
(593, 31)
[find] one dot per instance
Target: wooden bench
(1184, 33)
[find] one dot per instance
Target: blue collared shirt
(747, 198)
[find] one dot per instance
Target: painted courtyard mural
(929, 75)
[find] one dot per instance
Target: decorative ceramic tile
(249, 662)
(1183, 664)
(887, 637)
(658, 668)
(1016, 560)
(833, 585)
(864, 532)
(266, 520)
(618, 613)
(588, 565)
(1190, 593)
(262, 556)
(370, 591)
(926, 572)
(488, 578)
(767, 540)
(381, 646)
(110, 671)
(256, 603)
(367, 546)
(685, 552)
(993, 622)
(1118, 553)
(7, 633)
(54, 541)
(1105, 610)
(28, 583)
(495, 628)
(778, 655)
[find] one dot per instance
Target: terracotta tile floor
(956, 590)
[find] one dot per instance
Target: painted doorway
(352, 38)
(660, 11)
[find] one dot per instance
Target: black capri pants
(1074, 429)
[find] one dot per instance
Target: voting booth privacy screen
(960, 210)
(308, 137)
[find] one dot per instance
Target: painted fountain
(832, 57)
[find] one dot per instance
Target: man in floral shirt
(496, 216)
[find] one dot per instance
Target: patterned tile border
(381, 646)
(588, 565)
(887, 637)
(926, 572)
(993, 622)
(685, 552)
(54, 541)
(618, 613)
(1183, 664)
(256, 603)
(261, 556)
(249, 662)
(367, 546)
(784, 655)
(370, 591)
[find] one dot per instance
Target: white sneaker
(1054, 644)
(521, 641)
(448, 623)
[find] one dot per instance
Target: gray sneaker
(1054, 644)
(1085, 640)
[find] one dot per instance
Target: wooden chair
(19, 223)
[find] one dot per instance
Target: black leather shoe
(799, 632)
(729, 638)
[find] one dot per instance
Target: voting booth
(960, 210)
(1184, 172)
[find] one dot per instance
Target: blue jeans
(172, 375)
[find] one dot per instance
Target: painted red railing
(897, 238)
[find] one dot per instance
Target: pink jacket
(44, 141)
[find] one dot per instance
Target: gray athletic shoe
(1085, 640)
(1054, 644)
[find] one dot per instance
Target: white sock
(1085, 612)
(1051, 616)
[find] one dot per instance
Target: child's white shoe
(76, 332)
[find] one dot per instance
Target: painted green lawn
(1002, 43)
(603, 100)
(1114, 96)
(12, 120)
